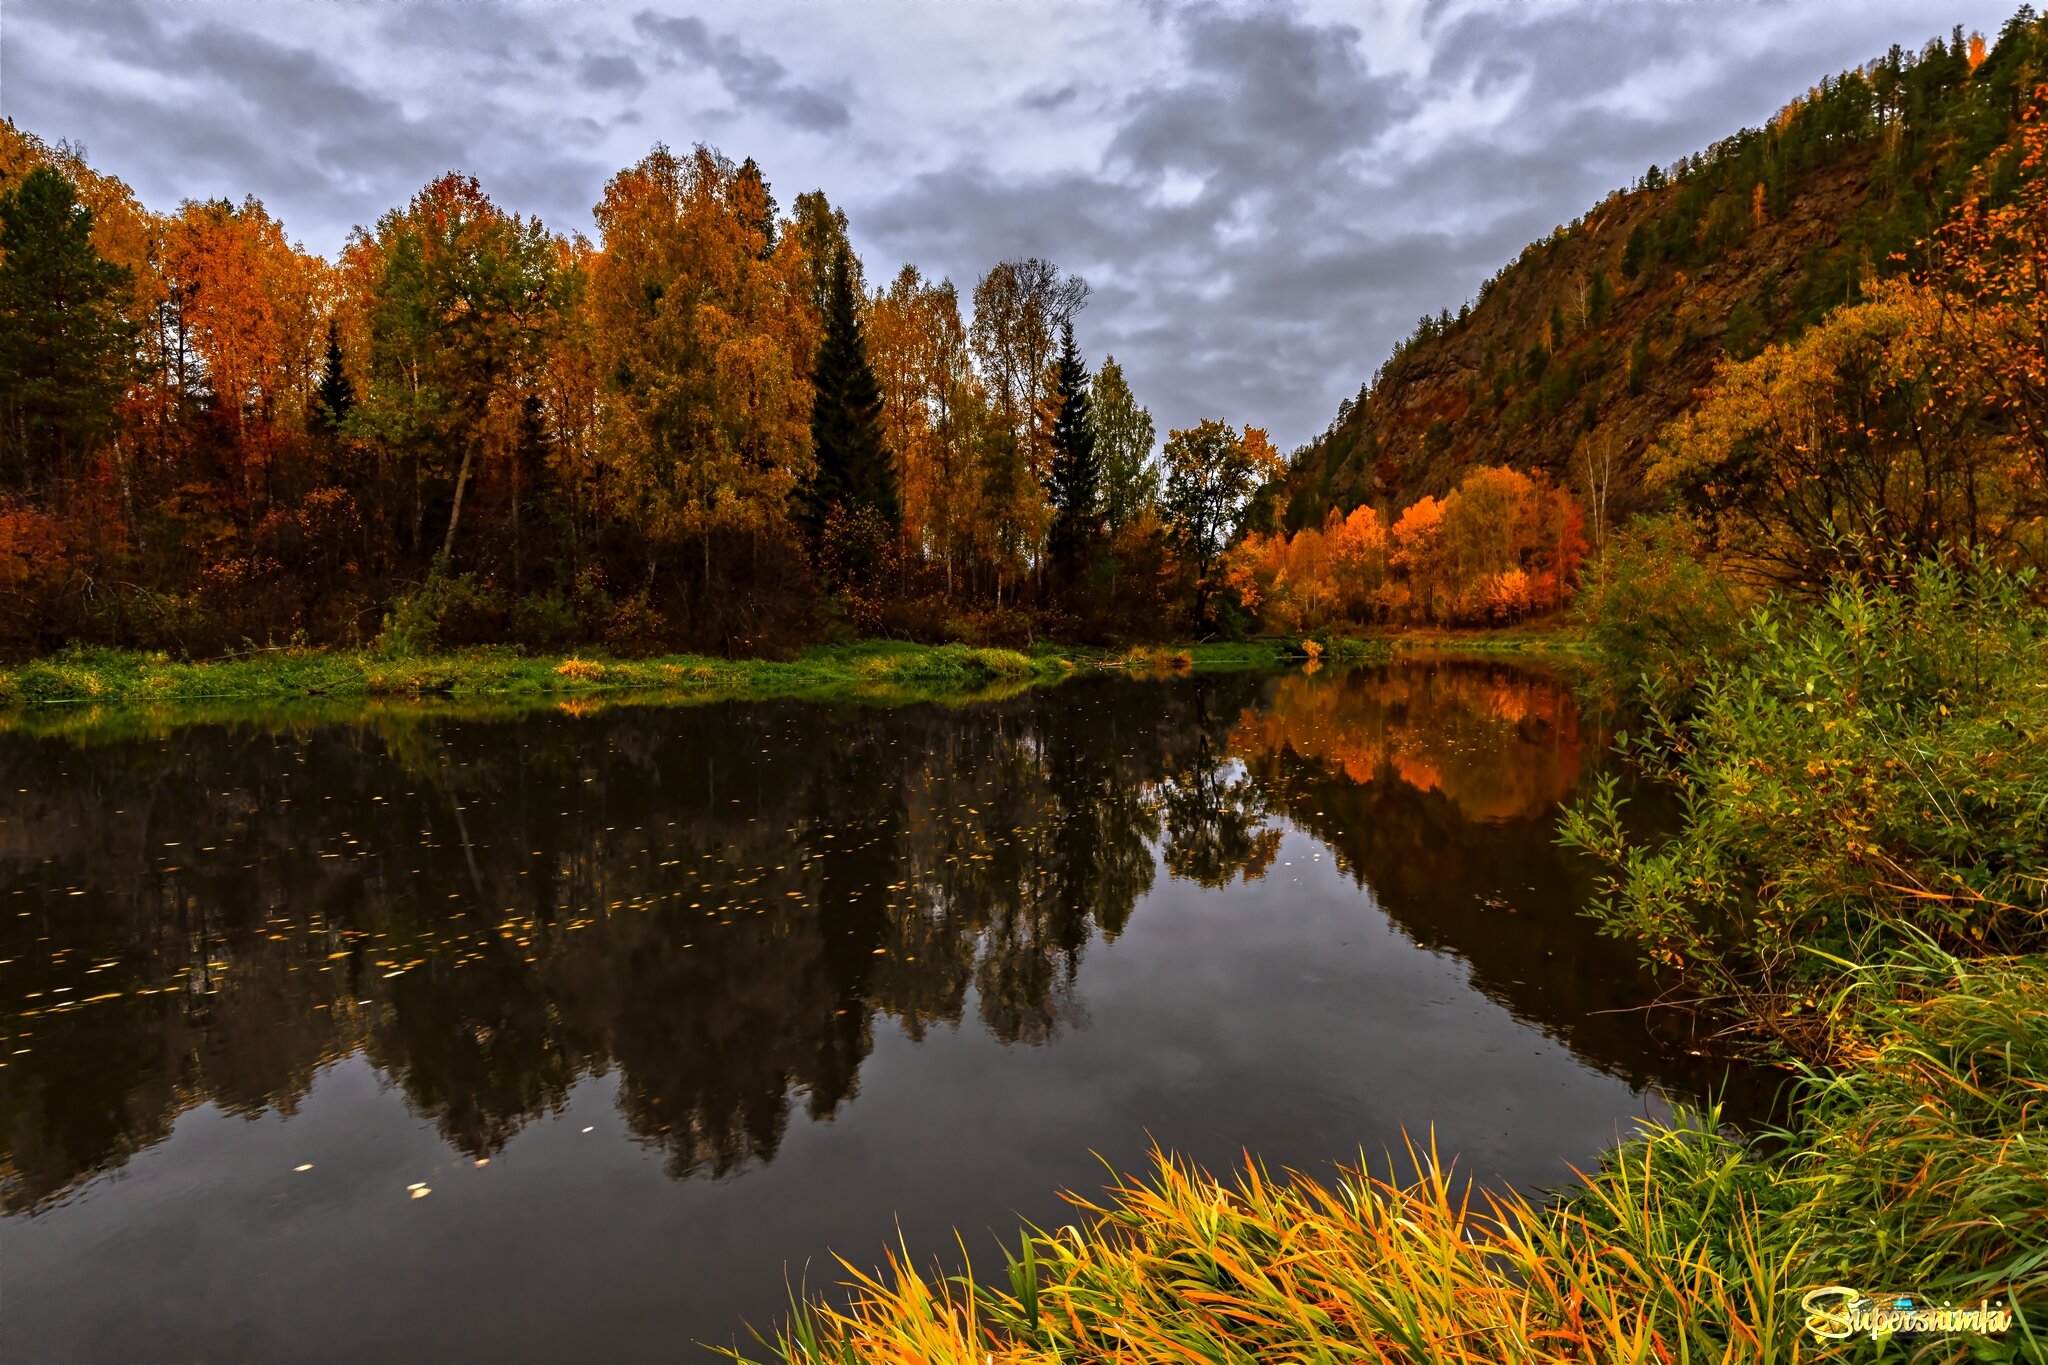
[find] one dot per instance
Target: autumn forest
(711, 428)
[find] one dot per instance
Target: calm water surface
(661, 1006)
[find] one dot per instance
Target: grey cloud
(1219, 303)
(1265, 201)
(501, 38)
(1045, 99)
(610, 73)
(261, 112)
(234, 112)
(1267, 95)
(753, 78)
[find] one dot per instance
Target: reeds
(1178, 1266)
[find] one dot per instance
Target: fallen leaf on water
(307, 1167)
(483, 1161)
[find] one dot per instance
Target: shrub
(1655, 612)
(446, 612)
(1865, 775)
(544, 621)
(634, 629)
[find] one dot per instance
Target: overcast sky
(1265, 196)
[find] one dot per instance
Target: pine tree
(65, 346)
(335, 396)
(854, 475)
(1075, 475)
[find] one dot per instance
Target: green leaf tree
(66, 347)
(1123, 444)
(462, 300)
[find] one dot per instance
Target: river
(575, 1036)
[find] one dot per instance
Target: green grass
(1546, 638)
(1921, 1168)
(105, 692)
(101, 679)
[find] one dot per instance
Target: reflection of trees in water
(716, 902)
(1500, 743)
(1437, 787)
(1215, 821)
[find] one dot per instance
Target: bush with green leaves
(448, 611)
(1861, 775)
(1656, 613)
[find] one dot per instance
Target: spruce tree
(1075, 477)
(66, 347)
(854, 475)
(335, 396)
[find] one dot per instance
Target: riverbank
(1550, 638)
(869, 670)
(105, 677)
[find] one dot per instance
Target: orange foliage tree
(1989, 271)
(1500, 547)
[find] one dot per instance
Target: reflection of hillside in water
(715, 903)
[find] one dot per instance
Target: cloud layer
(1264, 195)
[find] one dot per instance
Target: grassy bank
(110, 678)
(334, 684)
(1550, 637)
(1859, 889)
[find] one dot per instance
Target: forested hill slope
(1576, 354)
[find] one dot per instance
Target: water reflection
(720, 905)
(1438, 787)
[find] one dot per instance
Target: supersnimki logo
(1836, 1312)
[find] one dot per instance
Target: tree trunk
(455, 512)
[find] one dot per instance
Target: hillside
(1575, 355)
